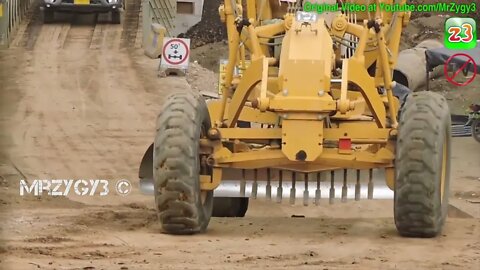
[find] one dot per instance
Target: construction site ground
(78, 100)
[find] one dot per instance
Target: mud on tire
(176, 161)
(422, 161)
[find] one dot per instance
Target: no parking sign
(175, 53)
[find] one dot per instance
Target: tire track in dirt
(30, 29)
(80, 34)
(79, 31)
(131, 24)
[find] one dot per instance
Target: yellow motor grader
(307, 92)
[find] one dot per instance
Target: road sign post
(175, 56)
(463, 68)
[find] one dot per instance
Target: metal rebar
(370, 184)
(344, 187)
(268, 188)
(332, 187)
(255, 184)
(357, 187)
(243, 184)
(318, 192)
(280, 188)
(305, 192)
(293, 190)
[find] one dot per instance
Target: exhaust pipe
(411, 66)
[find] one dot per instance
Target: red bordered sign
(463, 68)
(175, 53)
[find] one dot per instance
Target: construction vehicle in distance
(50, 7)
(315, 96)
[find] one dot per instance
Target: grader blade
(259, 186)
(231, 188)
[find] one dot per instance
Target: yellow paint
(1, 10)
(304, 107)
(81, 2)
(222, 71)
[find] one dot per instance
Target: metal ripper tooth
(243, 184)
(280, 188)
(332, 187)
(344, 187)
(255, 184)
(318, 192)
(269, 187)
(293, 190)
(305, 192)
(370, 184)
(357, 187)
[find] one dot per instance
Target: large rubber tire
(48, 16)
(422, 161)
(116, 18)
(230, 207)
(180, 206)
(476, 130)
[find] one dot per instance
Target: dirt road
(78, 101)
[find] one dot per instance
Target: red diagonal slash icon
(463, 68)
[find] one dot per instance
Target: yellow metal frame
(298, 113)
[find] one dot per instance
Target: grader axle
(315, 95)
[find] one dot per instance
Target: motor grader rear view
(315, 95)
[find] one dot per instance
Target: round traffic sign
(464, 68)
(175, 51)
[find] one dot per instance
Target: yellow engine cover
(306, 59)
(305, 71)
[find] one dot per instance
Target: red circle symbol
(183, 57)
(470, 61)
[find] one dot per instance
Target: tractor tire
(230, 207)
(182, 207)
(116, 18)
(476, 130)
(422, 165)
(48, 16)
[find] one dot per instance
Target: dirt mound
(130, 219)
(202, 79)
(209, 29)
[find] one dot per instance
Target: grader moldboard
(316, 94)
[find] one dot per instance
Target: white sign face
(175, 53)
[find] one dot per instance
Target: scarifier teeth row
(306, 193)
